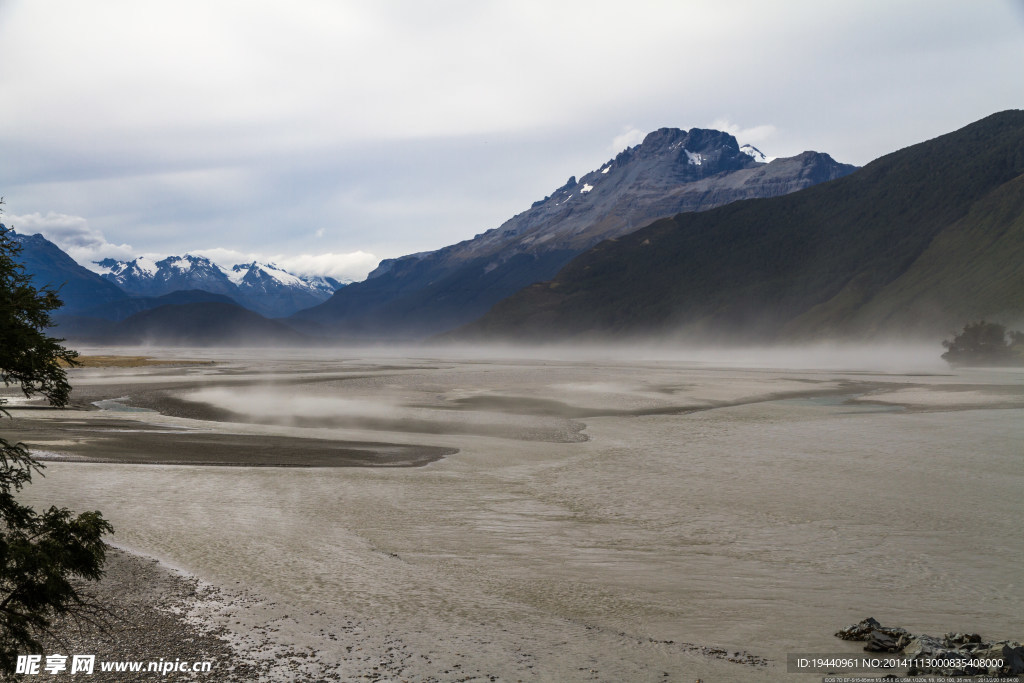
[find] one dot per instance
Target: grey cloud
(72, 234)
(396, 128)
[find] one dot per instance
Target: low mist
(889, 357)
(885, 357)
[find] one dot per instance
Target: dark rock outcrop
(954, 654)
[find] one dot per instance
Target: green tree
(984, 343)
(43, 556)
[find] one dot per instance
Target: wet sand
(714, 518)
(100, 440)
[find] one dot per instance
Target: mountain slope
(97, 323)
(80, 289)
(671, 171)
(916, 242)
(972, 269)
(203, 324)
(121, 309)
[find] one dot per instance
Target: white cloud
(752, 135)
(354, 266)
(73, 235)
(630, 136)
(343, 266)
(226, 258)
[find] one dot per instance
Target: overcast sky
(326, 134)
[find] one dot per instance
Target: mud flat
(606, 519)
(93, 438)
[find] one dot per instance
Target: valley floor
(511, 518)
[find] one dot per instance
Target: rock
(929, 647)
(955, 648)
(1011, 653)
(859, 631)
(879, 641)
(922, 646)
(956, 639)
(879, 638)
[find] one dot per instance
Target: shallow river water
(602, 519)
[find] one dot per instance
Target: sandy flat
(712, 520)
(944, 397)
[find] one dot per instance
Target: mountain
(269, 290)
(146, 277)
(121, 309)
(97, 323)
(263, 288)
(202, 324)
(671, 171)
(80, 289)
(917, 242)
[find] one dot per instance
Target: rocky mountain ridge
(671, 171)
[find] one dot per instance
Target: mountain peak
(694, 140)
(663, 138)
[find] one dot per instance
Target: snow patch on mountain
(146, 265)
(260, 271)
(179, 263)
(756, 154)
(282, 276)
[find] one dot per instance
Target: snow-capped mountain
(264, 278)
(264, 288)
(145, 277)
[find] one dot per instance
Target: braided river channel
(555, 516)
